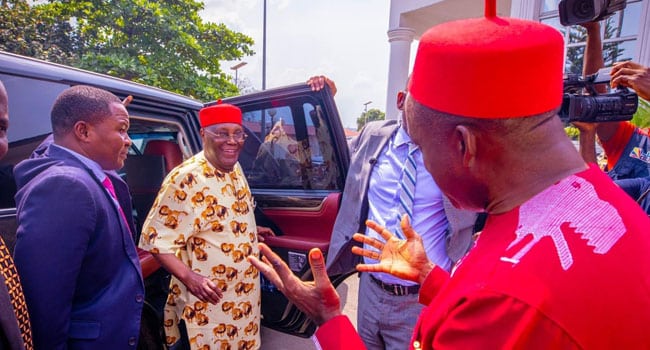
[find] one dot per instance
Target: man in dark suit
(74, 250)
(15, 331)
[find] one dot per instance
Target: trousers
(385, 321)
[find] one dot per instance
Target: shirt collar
(401, 137)
(89, 163)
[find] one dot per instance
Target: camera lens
(583, 9)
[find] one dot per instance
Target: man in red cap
(562, 260)
(201, 228)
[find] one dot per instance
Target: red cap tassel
(490, 8)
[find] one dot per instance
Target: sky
(344, 40)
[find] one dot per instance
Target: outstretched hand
(405, 259)
(632, 75)
(317, 299)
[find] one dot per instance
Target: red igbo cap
(219, 114)
(489, 67)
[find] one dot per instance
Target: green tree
(160, 43)
(642, 116)
(572, 132)
(612, 52)
(35, 33)
(368, 116)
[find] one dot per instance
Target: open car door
(295, 160)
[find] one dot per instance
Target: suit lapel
(121, 191)
(377, 140)
(124, 199)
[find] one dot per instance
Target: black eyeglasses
(238, 136)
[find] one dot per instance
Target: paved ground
(348, 290)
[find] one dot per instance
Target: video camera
(595, 108)
(582, 11)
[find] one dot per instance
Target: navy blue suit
(75, 256)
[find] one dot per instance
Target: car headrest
(168, 149)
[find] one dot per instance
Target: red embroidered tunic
(567, 269)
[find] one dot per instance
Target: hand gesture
(632, 75)
(318, 82)
(263, 232)
(203, 288)
(200, 286)
(405, 259)
(317, 299)
(127, 101)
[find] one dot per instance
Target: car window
(30, 101)
(288, 147)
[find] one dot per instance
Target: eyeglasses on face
(238, 136)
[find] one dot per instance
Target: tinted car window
(30, 101)
(289, 147)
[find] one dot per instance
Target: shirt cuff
(432, 284)
(336, 334)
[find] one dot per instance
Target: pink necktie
(109, 186)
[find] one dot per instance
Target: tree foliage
(642, 116)
(368, 116)
(34, 32)
(572, 132)
(612, 51)
(160, 43)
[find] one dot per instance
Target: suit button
(139, 298)
(132, 341)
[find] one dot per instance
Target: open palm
(405, 259)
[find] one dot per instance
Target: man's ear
(466, 145)
(401, 97)
(81, 130)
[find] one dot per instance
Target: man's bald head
(472, 159)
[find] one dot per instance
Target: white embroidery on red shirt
(572, 201)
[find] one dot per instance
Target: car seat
(168, 149)
(145, 174)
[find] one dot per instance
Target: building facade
(626, 34)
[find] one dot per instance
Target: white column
(400, 40)
(643, 40)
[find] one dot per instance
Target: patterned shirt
(205, 218)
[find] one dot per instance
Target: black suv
(297, 185)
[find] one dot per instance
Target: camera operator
(626, 146)
(593, 61)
